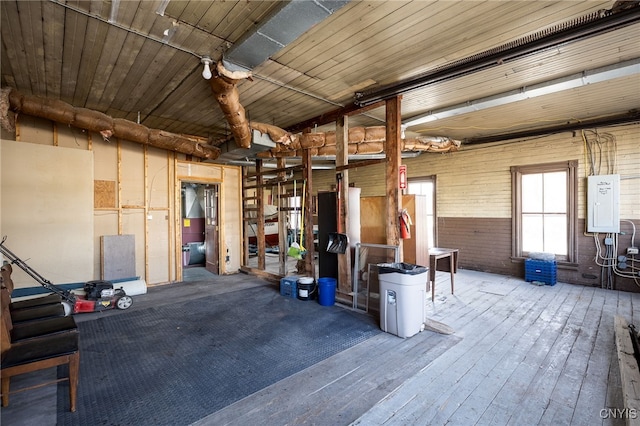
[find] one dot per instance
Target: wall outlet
(632, 250)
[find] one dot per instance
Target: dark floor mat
(175, 364)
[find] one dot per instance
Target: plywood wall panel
(372, 222)
(158, 178)
(106, 158)
(132, 173)
(159, 247)
(231, 207)
(104, 194)
(373, 226)
(34, 130)
(72, 137)
(47, 210)
(133, 223)
(186, 170)
(104, 223)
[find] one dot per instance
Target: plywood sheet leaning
(118, 257)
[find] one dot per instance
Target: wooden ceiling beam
(332, 116)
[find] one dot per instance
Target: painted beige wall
(476, 181)
(145, 181)
(47, 210)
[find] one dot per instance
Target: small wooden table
(441, 253)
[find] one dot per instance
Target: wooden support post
(245, 221)
(309, 261)
(393, 160)
(342, 159)
(282, 218)
(260, 216)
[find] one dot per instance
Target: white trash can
(402, 298)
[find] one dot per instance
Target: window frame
(571, 168)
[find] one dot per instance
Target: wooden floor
(521, 354)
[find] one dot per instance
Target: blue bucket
(327, 291)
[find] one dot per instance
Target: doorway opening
(427, 186)
(199, 230)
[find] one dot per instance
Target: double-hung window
(544, 209)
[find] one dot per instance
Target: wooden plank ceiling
(126, 59)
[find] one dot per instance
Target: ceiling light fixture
(206, 72)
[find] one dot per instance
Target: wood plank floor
(521, 355)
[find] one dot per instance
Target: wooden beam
(261, 273)
(281, 168)
(309, 261)
(332, 116)
(245, 225)
(262, 249)
(265, 183)
(629, 372)
(359, 164)
(342, 159)
(282, 220)
(393, 160)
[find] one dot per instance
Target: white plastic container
(402, 298)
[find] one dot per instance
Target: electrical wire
(633, 236)
(609, 262)
(601, 152)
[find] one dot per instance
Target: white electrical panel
(603, 203)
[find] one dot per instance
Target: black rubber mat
(175, 364)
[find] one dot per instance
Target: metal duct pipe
(632, 116)
(287, 24)
(576, 30)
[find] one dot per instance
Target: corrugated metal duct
(287, 24)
